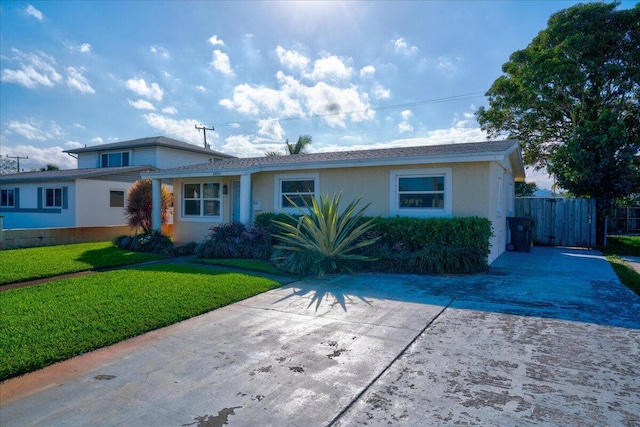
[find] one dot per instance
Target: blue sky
(354, 75)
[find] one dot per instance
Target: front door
(235, 200)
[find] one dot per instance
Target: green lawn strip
(622, 245)
(244, 264)
(627, 275)
(43, 324)
(19, 265)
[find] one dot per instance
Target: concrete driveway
(548, 337)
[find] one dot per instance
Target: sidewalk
(633, 261)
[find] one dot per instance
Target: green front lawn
(43, 324)
(19, 265)
(618, 246)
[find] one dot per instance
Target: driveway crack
(386, 368)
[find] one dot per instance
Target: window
(201, 199)
(7, 198)
(421, 192)
(116, 198)
(112, 160)
(295, 189)
(53, 198)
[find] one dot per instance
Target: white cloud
(333, 104)
(249, 146)
(140, 87)
(367, 71)
(141, 104)
(182, 129)
(449, 64)
(76, 80)
(40, 157)
(82, 48)
(257, 99)
(97, 139)
(201, 88)
(35, 131)
(69, 145)
(271, 129)
(34, 12)
(380, 92)
(404, 127)
(221, 63)
(169, 110)
(215, 41)
(36, 69)
(401, 47)
(330, 67)
(292, 59)
(160, 51)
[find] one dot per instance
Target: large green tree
(572, 97)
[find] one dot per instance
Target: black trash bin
(520, 228)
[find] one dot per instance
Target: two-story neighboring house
(95, 194)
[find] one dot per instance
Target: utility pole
(18, 159)
(204, 130)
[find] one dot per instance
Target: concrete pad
(547, 337)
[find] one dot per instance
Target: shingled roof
(161, 141)
(489, 150)
(124, 173)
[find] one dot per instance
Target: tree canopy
(572, 97)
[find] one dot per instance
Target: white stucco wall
(92, 207)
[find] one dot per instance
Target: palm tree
(300, 145)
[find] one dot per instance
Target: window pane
(191, 191)
(211, 208)
(421, 201)
(211, 190)
(298, 200)
(58, 196)
(192, 207)
(115, 159)
(104, 161)
(125, 159)
(423, 183)
(49, 197)
(7, 198)
(116, 199)
(302, 186)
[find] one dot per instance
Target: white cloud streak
(141, 88)
(221, 63)
(76, 80)
(215, 41)
(141, 104)
(34, 12)
(35, 69)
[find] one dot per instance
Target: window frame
(122, 154)
(394, 192)
(8, 198)
(280, 178)
(46, 198)
(201, 199)
(124, 198)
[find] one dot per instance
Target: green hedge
(421, 245)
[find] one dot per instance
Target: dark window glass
(116, 199)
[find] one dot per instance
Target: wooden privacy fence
(560, 221)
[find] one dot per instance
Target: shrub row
(404, 245)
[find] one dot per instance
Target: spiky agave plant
(323, 239)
